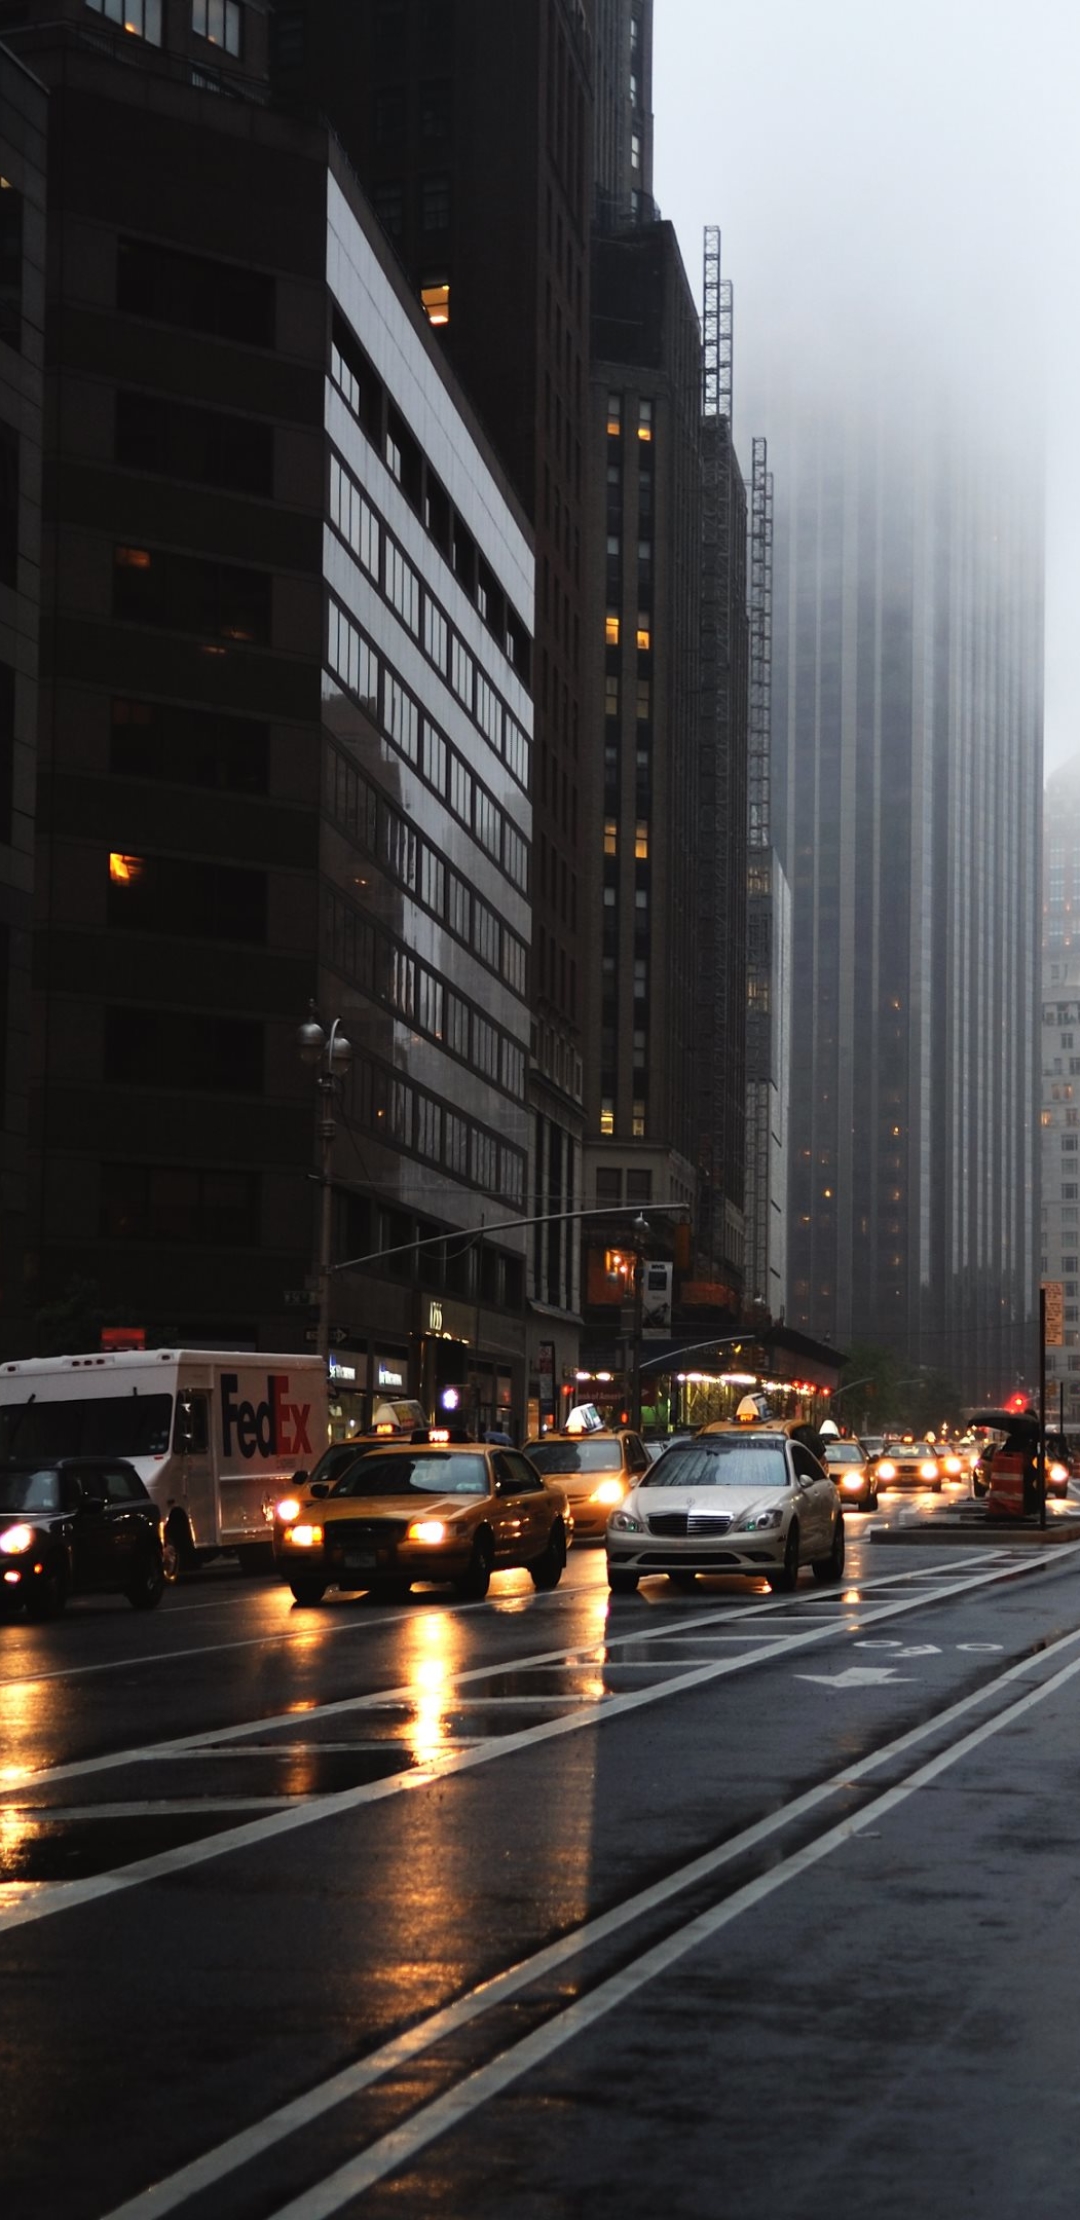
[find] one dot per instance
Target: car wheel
(473, 1585)
(786, 1579)
(47, 1599)
(832, 1566)
(180, 1554)
(621, 1582)
(684, 1580)
(547, 1570)
(307, 1592)
(147, 1589)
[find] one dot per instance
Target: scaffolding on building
(721, 904)
(760, 1073)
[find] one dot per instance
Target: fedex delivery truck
(216, 1437)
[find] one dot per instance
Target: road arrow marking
(856, 1676)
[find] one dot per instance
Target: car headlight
(624, 1522)
(886, 1469)
(432, 1531)
(1057, 1472)
(609, 1491)
(852, 1478)
(759, 1522)
(287, 1509)
(16, 1540)
(928, 1469)
(304, 1537)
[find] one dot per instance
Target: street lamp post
(330, 1054)
(640, 1231)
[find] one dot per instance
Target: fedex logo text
(275, 1427)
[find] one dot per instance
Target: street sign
(1055, 1313)
(297, 1298)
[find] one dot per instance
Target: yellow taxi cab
(441, 1509)
(596, 1464)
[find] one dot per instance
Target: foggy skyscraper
(908, 736)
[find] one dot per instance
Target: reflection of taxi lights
(432, 1531)
(288, 1508)
(304, 1537)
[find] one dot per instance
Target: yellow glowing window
(611, 836)
(436, 300)
(644, 430)
(133, 558)
(607, 1120)
(614, 415)
(638, 1121)
(611, 629)
(641, 841)
(644, 636)
(123, 869)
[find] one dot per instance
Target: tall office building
(1060, 1107)
(906, 801)
(23, 105)
(471, 128)
(285, 740)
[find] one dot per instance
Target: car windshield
(843, 1453)
(436, 1472)
(722, 1462)
(576, 1456)
(29, 1491)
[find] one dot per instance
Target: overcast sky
(913, 169)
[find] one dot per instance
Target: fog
(895, 184)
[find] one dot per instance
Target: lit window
(218, 21)
(645, 420)
(611, 844)
(124, 869)
(436, 300)
(644, 634)
(132, 558)
(611, 629)
(641, 841)
(141, 17)
(607, 1115)
(614, 415)
(638, 1121)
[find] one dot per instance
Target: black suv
(77, 1526)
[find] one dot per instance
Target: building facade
(285, 742)
(906, 799)
(23, 106)
(1060, 1105)
(449, 115)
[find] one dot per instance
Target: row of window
(387, 835)
(217, 21)
(389, 1106)
(368, 401)
(205, 446)
(353, 661)
(180, 1203)
(377, 963)
(191, 747)
(378, 553)
(192, 593)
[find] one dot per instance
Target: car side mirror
(300, 1479)
(319, 1487)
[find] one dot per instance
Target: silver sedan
(729, 1502)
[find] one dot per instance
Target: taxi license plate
(359, 1560)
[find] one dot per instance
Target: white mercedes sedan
(730, 1500)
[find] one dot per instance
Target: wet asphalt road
(709, 1904)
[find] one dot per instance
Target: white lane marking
(170, 1807)
(64, 1896)
(575, 1596)
(252, 2142)
(858, 1676)
(402, 2144)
